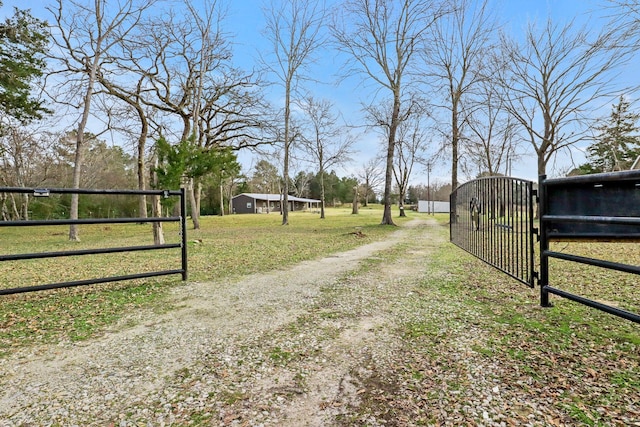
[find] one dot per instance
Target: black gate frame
(38, 192)
(610, 218)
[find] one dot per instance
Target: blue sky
(245, 21)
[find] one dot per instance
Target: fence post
(183, 225)
(533, 198)
(451, 216)
(543, 280)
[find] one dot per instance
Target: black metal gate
(180, 219)
(595, 208)
(492, 218)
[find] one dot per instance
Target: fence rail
(595, 208)
(37, 192)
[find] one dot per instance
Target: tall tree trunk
(142, 176)
(25, 207)
(354, 208)
(195, 213)
(198, 196)
(156, 207)
(322, 195)
(402, 213)
(3, 207)
(73, 211)
(285, 170)
(221, 199)
(14, 207)
(79, 155)
(455, 137)
(391, 145)
(366, 194)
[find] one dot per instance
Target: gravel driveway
(229, 355)
(368, 337)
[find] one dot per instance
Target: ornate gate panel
(493, 219)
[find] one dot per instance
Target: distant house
(265, 203)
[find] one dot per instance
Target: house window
(248, 205)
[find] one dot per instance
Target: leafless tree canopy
(324, 140)
(382, 40)
(294, 28)
(371, 177)
(83, 38)
(490, 145)
(554, 77)
(428, 72)
(410, 148)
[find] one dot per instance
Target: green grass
(569, 345)
(72, 314)
(224, 246)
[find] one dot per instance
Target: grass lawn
(580, 360)
(223, 246)
(235, 245)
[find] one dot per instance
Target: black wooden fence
(180, 219)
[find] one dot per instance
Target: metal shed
(266, 203)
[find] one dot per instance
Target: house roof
(276, 197)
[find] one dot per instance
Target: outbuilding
(266, 203)
(430, 206)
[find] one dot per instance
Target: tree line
(446, 82)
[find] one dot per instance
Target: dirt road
(279, 348)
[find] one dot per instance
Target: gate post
(183, 225)
(543, 280)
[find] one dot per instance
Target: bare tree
(409, 148)
(354, 204)
(625, 20)
(371, 177)
(294, 30)
(324, 140)
(382, 39)
(553, 78)
(156, 206)
(454, 58)
(186, 57)
(25, 161)
(182, 66)
(491, 143)
(132, 98)
(84, 34)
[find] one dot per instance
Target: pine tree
(618, 144)
(23, 42)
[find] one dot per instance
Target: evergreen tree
(187, 160)
(618, 144)
(265, 179)
(23, 42)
